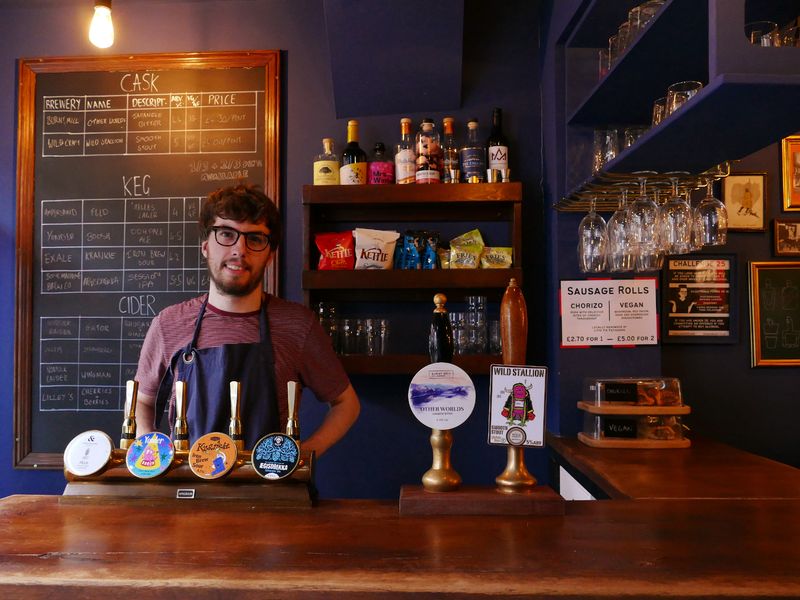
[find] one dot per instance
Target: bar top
(54, 547)
(707, 470)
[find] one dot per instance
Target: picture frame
(786, 236)
(699, 299)
(790, 171)
(744, 195)
(775, 314)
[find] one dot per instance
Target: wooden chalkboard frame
(759, 342)
(25, 456)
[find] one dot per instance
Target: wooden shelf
(494, 207)
(623, 443)
(633, 409)
(412, 194)
(409, 364)
(434, 279)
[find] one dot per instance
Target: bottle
(450, 171)
(405, 158)
(473, 156)
(497, 145)
(354, 160)
(429, 153)
(326, 165)
(381, 167)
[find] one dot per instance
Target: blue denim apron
(208, 373)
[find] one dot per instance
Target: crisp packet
(406, 255)
(374, 248)
(496, 258)
(335, 250)
(465, 256)
(470, 238)
(443, 254)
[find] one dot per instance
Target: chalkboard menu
(775, 313)
(115, 155)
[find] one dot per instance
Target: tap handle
(181, 433)
(129, 420)
(292, 426)
(235, 424)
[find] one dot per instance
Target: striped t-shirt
(303, 351)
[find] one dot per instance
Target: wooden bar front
(52, 548)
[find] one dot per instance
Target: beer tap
(292, 425)
(181, 426)
(129, 422)
(235, 425)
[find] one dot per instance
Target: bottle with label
(326, 165)
(429, 153)
(450, 170)
(405, 158)
(354, 160)
(497, 145)
(381, 166)
(473, 156)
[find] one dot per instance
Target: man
(238, 333)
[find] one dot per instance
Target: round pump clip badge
(441, 396)
(212, 455)
(275, 456)
(150, 455)
(88, 452)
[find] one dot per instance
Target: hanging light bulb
(101, 31)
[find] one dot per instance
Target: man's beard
(234, 288)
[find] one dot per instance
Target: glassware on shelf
(790, 36)
(631, 134)
(649, 255)
(602, 63)
(659, 111)
(592, 241)
(620, 251)
(675, 217)
(680, 93)
(605, 148)
(711, 218)
(762, 33)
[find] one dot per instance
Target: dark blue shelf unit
(750, 99)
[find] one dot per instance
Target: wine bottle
(405, 158)
(381, 166)
(326, 165)
(429, 153)
(497, 145)
(450, 171)
(473, 156)
(354, 160)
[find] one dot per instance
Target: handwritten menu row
(85, 361)
(134, 124)
(121, 244)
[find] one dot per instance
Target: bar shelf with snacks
(493, 208)
(699, 40)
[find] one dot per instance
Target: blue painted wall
(387, 447)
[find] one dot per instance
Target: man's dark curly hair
(241, 202)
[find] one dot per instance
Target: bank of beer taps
(91, 455)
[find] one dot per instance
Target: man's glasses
(228, 236)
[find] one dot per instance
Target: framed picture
(744, 196)
(790, 169)
(698, 300)
(787, 237)
(775, 314)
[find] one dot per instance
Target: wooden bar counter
(706, 470)
(53, 547)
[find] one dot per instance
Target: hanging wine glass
(711, 218)
(621, 252)
(592, 241)
(645, 228)
(675, 217)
